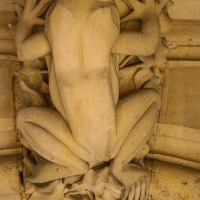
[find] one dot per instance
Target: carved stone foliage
(90, 108)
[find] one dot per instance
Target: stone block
(184, 33)
(9, 179)
(7, 17)
(6, 33)
(7, 47)
(6, 5)
(181, 94)
(185, 10)
(6, 91)
(7, 139)
(7, 124)
(178, 141)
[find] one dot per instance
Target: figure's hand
(142, 9)
(32, 11)
(42, 170)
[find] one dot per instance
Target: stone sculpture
(84, 148)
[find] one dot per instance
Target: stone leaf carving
(92, 144)
(31, 77)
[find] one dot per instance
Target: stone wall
(10, 186)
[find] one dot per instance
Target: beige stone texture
(7, 114)
(7, 139)
(10, 186)
(6, 98)
(72, 142)
(185, 10)
(90, 124)
(181, 94)
(184, 33)
(173, 182)
(7, 16)
(184, 41)
(177, 144)
(191, 53)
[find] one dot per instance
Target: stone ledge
(181, 63)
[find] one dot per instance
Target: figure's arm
(31, 46)
(142, 43)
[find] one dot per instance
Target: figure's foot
(136, 180)
(43, 171)
(140, 189)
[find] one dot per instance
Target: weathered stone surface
(172, 182)
(6, 93)
(7, 17)
(6, 33)
(7, 121)
(180, 106)
(188, 53)
(184, 33)
(6, 5)
(185, 10)
(181, 94)
(9, 179)
(184, 40)
(11, 197)
(90, 124)
(7, 47)
(7, 139)
(7, 124)
(178, 142)
(7, 13)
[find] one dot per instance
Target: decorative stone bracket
(89, 139)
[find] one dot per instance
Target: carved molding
(177, 144)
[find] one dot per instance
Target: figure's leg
(47, 134)
(130, 110)
(136, 118)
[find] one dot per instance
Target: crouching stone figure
(90, 125)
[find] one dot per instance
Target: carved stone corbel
(103, 73)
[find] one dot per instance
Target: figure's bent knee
(23, 115)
